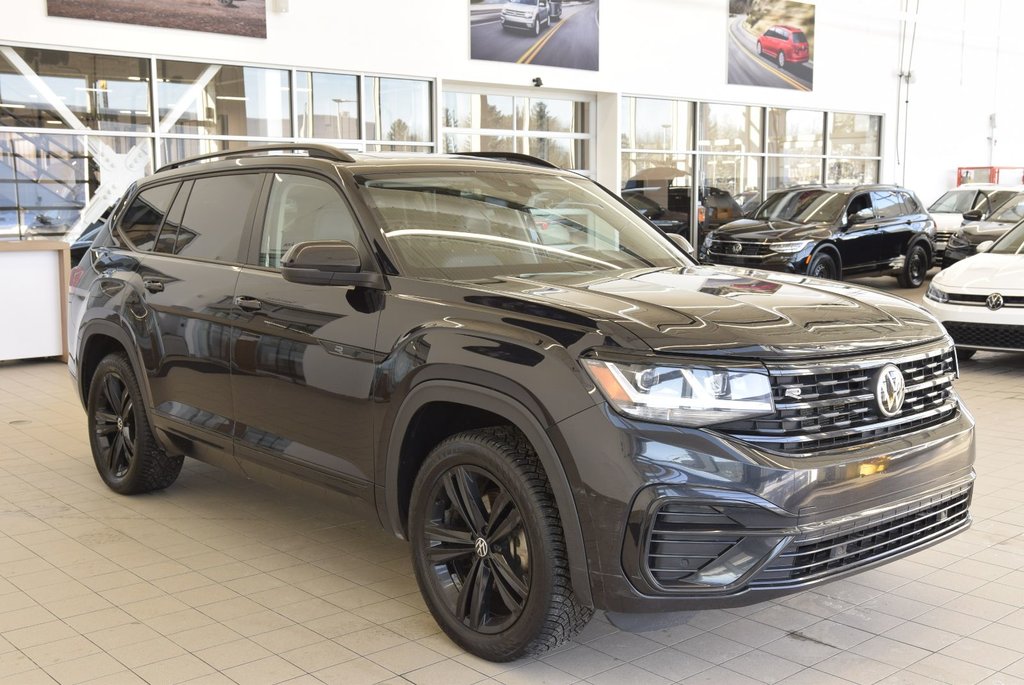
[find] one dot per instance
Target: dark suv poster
(553, 33)
(771, 44)
(237, 17)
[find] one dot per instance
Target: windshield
(1011, 243)
(954, 202)
(995, 200)
(1011, 211)
(803, 206)
(461, 225)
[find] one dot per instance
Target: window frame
(119, 219)
(250, 255)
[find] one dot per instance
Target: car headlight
(958, 239)
(935, 294)
(683, 394)
(790, 247)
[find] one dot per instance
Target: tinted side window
(215, 217)
(859, 202)
(167, 242)
(887, 204)
(142, 219)
(910, 204)
(303, 208)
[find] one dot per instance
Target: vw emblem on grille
(480, 547)
(890, 390)
(994, 301)
(736, 248)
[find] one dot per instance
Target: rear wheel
(823, 265)
(488, 547)
(781, 59)
(915, 267)
(126, 453)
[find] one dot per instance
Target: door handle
(153, 286)
(249, 304)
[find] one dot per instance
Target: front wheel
(915, 267)
(127, 455)
(488, 547)
(760, 50)
(823, 265)
(536, 27)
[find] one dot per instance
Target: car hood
(980, 231)
(758, 230)
(703, 310)
(947, 221)
(984, 273)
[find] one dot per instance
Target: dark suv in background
(831, 232)
(503, 363)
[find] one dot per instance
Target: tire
(536, 27)
(823, 265)
(506, 593)
(780, 59)
(126, 453)
(915, 267)
(965, 353)
(759, 49)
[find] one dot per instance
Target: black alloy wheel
(915, 268)
(488, 547)
(823, 265)
(114, 425)
(478, 548)
(128, 457)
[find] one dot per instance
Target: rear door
(894, 225)
(188, 281)
(304, 357)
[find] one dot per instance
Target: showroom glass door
(556, 127)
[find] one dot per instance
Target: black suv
(506, 365)
(831, 232)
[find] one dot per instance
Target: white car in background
(980, 300)
(977, 199)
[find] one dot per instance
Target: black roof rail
(311, 149)
(511, 157)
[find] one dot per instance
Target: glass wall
(740, 153)
(554, 129)
(76, 129)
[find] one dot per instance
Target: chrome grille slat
(836, 406)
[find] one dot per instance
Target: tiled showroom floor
(219, 580)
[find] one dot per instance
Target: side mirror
(681, 242)
(861, 217)
(985, 246)
(974, 215)
(327, 262)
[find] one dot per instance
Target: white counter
(33, 298)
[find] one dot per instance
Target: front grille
(727, 248)
(986, 335)
(943, 236)
(824, 553)
(675, 554)
(980, 300)
(825, 405)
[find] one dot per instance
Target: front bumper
(774, 261)
(980, 328)
(517, 22)
(682, 519)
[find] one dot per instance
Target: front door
(859, 243)
(304, 358)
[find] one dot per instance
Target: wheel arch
(926, 243)
(477, 403)
(833, 250)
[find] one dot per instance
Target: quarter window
(216, 217)
(303, 208)
(142, 220)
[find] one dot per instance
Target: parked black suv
(831, 232)
(510, 368)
